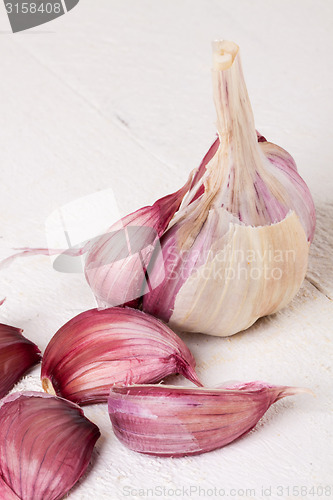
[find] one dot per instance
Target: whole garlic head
(238, 247)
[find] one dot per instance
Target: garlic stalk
(174, 421)
(17, 355)
(45, 446)
(97, 349)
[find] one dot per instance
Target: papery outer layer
(284, 168)
(178, 421)
(255, 187)
(248, 273)
(116, 264)
(17, 355)
(99, 348)
(45, 445)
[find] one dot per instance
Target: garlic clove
(45, 446)
(177, 421)
(100, 348)
(17, 355)
(6, 493)
(116, 264)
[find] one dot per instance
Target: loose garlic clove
(17, 355)
(98, 349)
(6, 493)
(178, 421)
(45, 446)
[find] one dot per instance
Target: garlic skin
(45, 446)
(100, 348)
(238, 247)
(172, 421)
(116, 264)
(17, 355)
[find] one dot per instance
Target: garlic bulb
(45, 446)
(177, 421)
(100, 348)
(237, 249)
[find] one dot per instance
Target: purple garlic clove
(17, 355)
(100, 348)
(45, 446)
(174, 421)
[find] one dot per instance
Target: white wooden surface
(118, 95)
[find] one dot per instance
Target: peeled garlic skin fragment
(17, 355)
(99, 348)
(116, 264)
(45, 445)
(177, 421)
(257, 272)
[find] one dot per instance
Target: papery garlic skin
(227, 292)
(116, 263)
(174, 421)
(17, 355)
(100, 348)
(238, 247)
(45, 446)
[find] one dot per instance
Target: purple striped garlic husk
(17, 355)
(172, 421)
(120, 345)
(46, 445)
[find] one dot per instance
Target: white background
(117, 94)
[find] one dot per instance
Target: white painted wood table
(118, 95)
